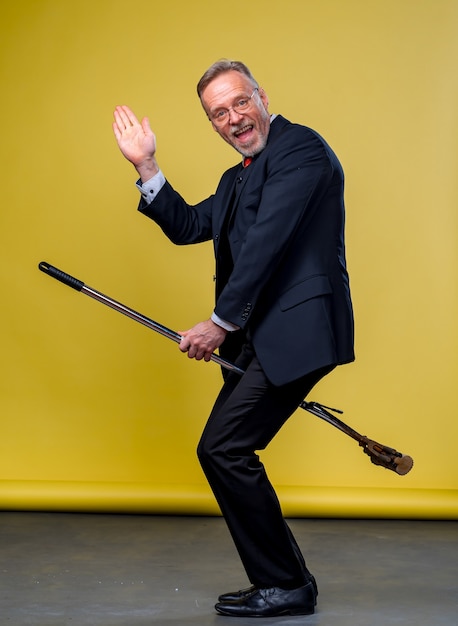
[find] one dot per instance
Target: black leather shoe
(233, 596)
(271, 602)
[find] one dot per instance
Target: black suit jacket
(286, 282)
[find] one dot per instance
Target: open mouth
(244, 132)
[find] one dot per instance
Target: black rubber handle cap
(60, 275)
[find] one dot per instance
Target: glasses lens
(221, 117)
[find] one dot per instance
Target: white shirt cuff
(226, 325)
(151, 187)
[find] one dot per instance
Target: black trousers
(247, 414)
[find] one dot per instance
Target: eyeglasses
(220, 116)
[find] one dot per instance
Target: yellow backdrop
(99, 413)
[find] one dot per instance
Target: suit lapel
(227, 193)
(236, 178)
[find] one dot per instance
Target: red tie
(247, 161)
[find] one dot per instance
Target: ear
(264, 98)
(208, 117)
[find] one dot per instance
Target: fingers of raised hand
(125, 119)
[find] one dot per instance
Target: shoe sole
(292, 612)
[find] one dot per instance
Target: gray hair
(220, 67)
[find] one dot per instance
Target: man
(283, 310)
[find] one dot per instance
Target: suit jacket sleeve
(182, 223)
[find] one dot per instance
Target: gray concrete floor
(77, 569)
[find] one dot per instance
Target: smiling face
(247, 132)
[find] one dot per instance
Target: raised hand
(136, 141)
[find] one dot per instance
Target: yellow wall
(99, 413)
